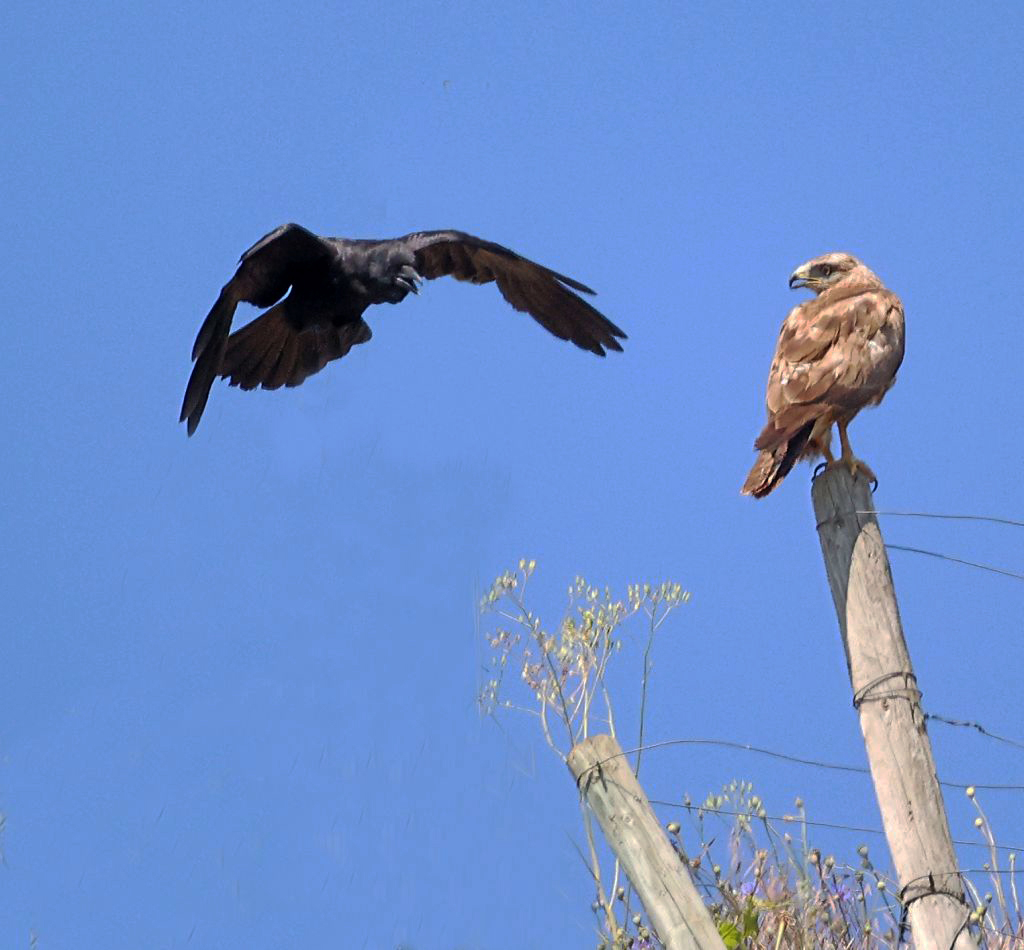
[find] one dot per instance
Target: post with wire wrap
(661, 878)
(888, 702)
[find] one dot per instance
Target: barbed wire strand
(956, 560)
(929, 514)
(981, 870)
(816, 763)
(977, 726)
(834, 826)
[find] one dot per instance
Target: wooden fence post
(885, 694)
(680, 918)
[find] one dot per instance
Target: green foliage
(733, 935)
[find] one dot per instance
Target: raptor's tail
(773, 465)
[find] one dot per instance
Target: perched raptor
(836, 354)
(334, 280)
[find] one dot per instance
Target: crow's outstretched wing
(527, 286)
(266, 271)
(272, 352)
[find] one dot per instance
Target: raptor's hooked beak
(800, 278)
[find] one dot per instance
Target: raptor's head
(824, 272)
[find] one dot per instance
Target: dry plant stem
(547, 730)
(643, 692)
(993, 856)
(615, 883)
(609, 714)
(584, 701)
(1013, 887)
(563, 706)
(533, 626)
(595, 867)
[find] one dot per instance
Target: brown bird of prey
(836, 354)
(334, 280)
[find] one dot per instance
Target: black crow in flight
(334, 280)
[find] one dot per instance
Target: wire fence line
(977, 727)
(834, 766)
(985, 519)
(832, 825)
(1016, 575)
(930, 514)
(690, 807)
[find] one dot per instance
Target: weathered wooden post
(886, 696)
(679, 916)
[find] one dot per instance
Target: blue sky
(240, 670)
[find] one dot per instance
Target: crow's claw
(408, 278)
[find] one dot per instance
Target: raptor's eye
(826, 270)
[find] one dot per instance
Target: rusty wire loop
(909, 691)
